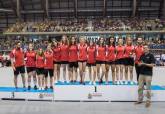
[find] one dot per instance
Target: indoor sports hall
(82, 56)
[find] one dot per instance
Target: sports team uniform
(111, 56)
(138, 52)
(30, 57)
(18, 56)
(64, 53)
(82, 52)
(48, 68)
(56, 54)
(129, 60)
(39, 64)
(120, 54)
(100, 54)
(73, 56)
(91, 57)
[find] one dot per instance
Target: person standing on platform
(129, 60)
(146, 64)
(64, 56)
(100, 59)
(30, 57)
(138, 52)
(82, 58)
(17, 62)
(49, 67)
(91, 62)
(73, 59)
(119, 61)
(56, 57)
(40, 68)
(110, 59)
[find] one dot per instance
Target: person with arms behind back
(17, 62)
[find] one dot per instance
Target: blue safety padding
(13, 89)
(87, 83)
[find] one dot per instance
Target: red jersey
(30, 58)
(138, 52)
(73, 53)
(39, 61)
(111, 53)
(48, 59)
(18, 56)
(120, 52)
(91, 58)
(82, 48)
(64, 52)
(129, 50)
(100, 53)
(1, 58)
(56, 54)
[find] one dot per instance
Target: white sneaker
(121, 82)
(118, 83)
(126, 82)
(94, 83)
(39, 88)
(67, 81)
(90, 83)
(56, 82)
(132, 83)
(63, 81)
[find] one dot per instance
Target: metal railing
(84, 32)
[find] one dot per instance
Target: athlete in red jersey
(138, 52)
(1, 60)
(30, 57)
(100, 59)
(82, 57)
(56, 50)
(119, 61)
(129, 60)
(17, 61)
(49, 66)
(110, 59)
(73, 59)
(64, 55)
(91, 62)
(40, 68)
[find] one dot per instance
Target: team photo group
(73, 55)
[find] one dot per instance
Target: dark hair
(118, 40)
(56, 42)
(17, 42)
(70, 40)
(109, 43)
(99, 41)
(88, 42)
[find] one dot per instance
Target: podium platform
(11, 93)
(78, 92)
(103, 92)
